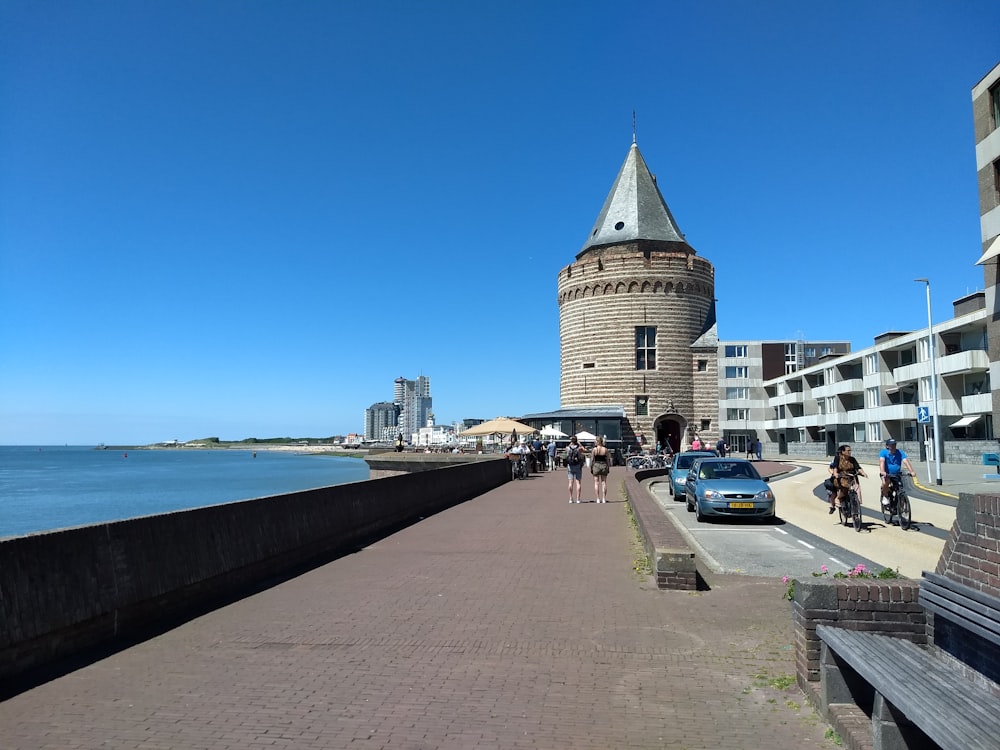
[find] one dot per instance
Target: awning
(991, 252)
(966, 421)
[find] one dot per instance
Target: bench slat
(951, 709)
(953, 601)
(966, 592)
(968, 619)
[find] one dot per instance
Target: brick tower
(637, 318)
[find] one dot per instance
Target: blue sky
(246, 219)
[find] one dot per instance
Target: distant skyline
(246, 219)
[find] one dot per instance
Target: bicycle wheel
(886, 510)
(904, 510)
(855, 511)
(843, 512)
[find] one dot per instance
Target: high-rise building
(382, 421)
(413, 397)
(986, 124)
(637, 319)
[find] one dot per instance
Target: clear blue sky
(246, 219)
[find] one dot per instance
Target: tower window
(645, 347)
(642, 406)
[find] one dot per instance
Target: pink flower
(784, 579)
(824, 568)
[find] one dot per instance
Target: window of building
(874, 432)
(588, 365)
(907, 357)
(996, 178)
(825, 350)
(736, 350)
(925, 390)
(739, 392)
(645, 347)
(924, 350)
(872, 397)
(995, 105)
(871, 363)
(702, 365)
(738, 372)
(706, 424)
(831, 404)
(975, 383)
(810, 352)
(821, 406)
(734, 415)
(859, 433)
(791, 358)
(642, 406)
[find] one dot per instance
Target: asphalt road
(806, 537)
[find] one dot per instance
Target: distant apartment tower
(744, 366)
(413, 397)
(381, 421)
(986, 120)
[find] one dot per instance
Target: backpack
(573, 457)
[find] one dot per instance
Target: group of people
(600, 467)
(845, 470)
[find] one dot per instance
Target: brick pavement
(515, 620)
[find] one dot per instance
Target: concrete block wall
(66, 591)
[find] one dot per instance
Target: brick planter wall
(672, 560)
(885, 607)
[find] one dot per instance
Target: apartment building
(744, 366)
(873, 394)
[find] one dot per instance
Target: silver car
(728, 487)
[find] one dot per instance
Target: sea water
(46, 488)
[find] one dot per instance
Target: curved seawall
(66, 591)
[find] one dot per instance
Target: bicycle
(851, 513)
(899, 503)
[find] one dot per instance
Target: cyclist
(843, 469)
(891, 461)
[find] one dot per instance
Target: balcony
(796, 397)
(980, 403)
(973, 360)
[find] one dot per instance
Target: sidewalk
(515, 620)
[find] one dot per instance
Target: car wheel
(698, 514)
(690, 507)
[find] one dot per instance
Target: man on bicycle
(891, 461)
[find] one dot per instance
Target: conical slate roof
(634, 209)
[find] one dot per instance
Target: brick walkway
(513, 621)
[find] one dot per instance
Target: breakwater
(67, 591)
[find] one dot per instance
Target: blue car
(679, 469)
(728, 487)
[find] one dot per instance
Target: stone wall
(66, 591)
(672, 561)
(954, 451)
(602, 298)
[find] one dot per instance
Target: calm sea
(45, 488)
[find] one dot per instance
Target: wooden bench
(913, 693)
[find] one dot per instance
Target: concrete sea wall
(66, 591)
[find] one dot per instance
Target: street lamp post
(934, 391)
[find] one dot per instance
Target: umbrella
(503, 425)
(581, 436)
(551, 431)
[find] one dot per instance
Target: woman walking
(600, 467)
(574, 468)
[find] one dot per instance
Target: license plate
(740, 505)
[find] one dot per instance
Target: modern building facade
(743, 368)
(986, 124)
(873, 394)
(413, 397)
(637, 319)
(382, 422)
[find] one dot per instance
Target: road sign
(923, 414)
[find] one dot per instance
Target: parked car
(679, 469)
(728, 487)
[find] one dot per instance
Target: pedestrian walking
(574, 468)
(600, 467)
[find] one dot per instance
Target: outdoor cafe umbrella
(551, 431)
(503, 425)
(581, 436)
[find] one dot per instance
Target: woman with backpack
(600, 467)
(574, 468)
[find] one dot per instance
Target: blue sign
(923, 414)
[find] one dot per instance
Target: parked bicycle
(647, 462)
(899, 502)
(850, 507)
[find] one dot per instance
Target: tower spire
(633, 126)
